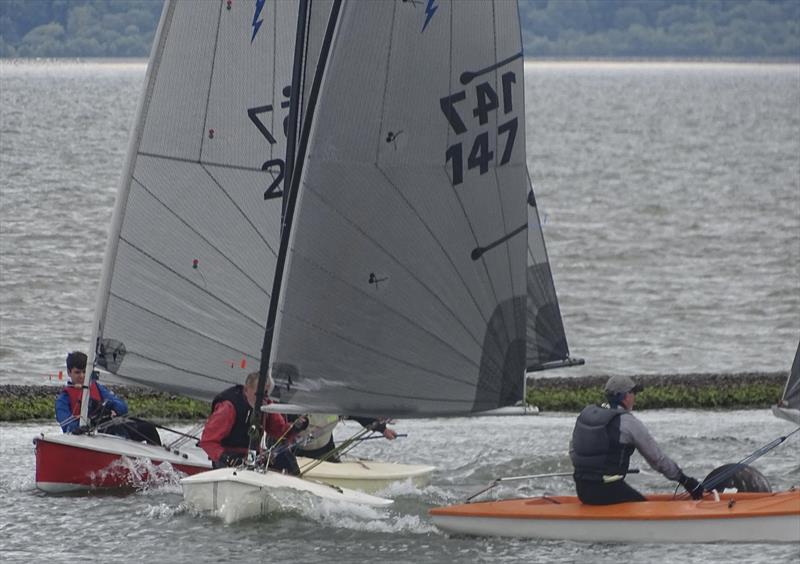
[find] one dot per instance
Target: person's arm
(218, 426)
(633, 432)
(376, 425)
(275, 425)
(115, 403)
(64, 414)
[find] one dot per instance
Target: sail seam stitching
(203, 290)
(210, 84)
(406, 269)
(201, 236)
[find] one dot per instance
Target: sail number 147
(487, 101)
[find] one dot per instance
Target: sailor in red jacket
(225, 438)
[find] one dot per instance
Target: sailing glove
(692, 486)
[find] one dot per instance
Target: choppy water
(154, 525)
(670, 197)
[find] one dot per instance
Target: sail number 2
(486, 101)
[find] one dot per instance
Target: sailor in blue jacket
(101, 400)
(103, 404)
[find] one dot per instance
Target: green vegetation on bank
(22, 403)
(550, 28)
(689, 391)
(693, 391)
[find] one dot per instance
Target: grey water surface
(154, 524)
(670, 198)
(669, 194)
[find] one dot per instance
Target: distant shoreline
(749, 390)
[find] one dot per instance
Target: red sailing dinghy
(66, 462)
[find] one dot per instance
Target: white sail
(404, 290)
(789, 406)
(190, 262)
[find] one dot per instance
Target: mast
(296, 153)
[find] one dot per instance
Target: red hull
(61, 467)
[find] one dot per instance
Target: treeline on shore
(692, 391)
(550, 28)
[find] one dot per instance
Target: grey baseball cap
(622, 385)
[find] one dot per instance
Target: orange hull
(741, 517)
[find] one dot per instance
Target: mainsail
(546, 345)
(193, 244)
(789, 406)
(404, 288)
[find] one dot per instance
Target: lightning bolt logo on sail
(256, 18)
(430, 9)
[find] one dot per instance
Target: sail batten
(404, 257)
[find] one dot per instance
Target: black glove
(80, 430)
(692, 486)
(230, 459)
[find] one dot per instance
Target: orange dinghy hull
(739, 517)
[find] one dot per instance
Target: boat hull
(233, 494)
(365, 475)
(511, 410)
(66, 462)
(743, 517)
(789, 414)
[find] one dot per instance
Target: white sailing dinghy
(402, 287)
(789, 406)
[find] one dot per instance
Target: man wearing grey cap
(602, 443)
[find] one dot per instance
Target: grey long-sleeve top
(633, 432)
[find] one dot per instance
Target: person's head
(251, 385)
(76, 367)
(621, 391)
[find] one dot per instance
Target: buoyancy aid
(238, 437)
(319, 430)
(596, 447)
(75, 395)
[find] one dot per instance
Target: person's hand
(389, 433)
(106, 409)
(300, 424)
(80, 431)
(692, 486)
(230, 459)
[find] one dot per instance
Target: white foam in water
(145, 475)
(400, 488)
(163, 511)
(341, 515)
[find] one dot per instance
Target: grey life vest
(596, 450)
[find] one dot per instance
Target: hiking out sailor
(103, 406)
(603, 440)
(318, 438)
(226, 438)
